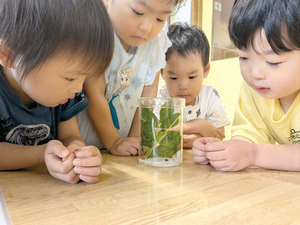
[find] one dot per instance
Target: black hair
(280, 20)
(188, 40)
(36, 30)
(177, 4)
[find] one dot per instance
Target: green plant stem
(162, 137)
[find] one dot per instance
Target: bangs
(276, 18)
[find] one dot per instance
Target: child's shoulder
(209, 90)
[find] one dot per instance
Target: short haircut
(280, 19)
(188, 40)
(36, 30)
(177, 4)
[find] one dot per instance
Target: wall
(224, 74)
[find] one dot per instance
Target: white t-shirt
(208, 106)
(125, 79)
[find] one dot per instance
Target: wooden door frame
(196, 12)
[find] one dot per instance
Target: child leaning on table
(111, 120)
(187, 66)
(47, 50)
(266, 127)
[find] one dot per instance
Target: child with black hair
(47, 50)
(187, 66)
(266, 126)
(140, 31)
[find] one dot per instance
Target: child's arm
(100, 116)
(13, 156)
(239, 153)
(197, 128)
(203, 128)
(87, 159)
(148, 91)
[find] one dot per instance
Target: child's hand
(209, 130)
(203, 128)
(231, 155)
(125, 146)
(199, 155)
(88, 162)
(59, 162)
(188, 140)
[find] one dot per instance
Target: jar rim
(159, 102)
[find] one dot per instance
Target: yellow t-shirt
(263, 120)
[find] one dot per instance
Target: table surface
(132, 193)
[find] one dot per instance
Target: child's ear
(4, 53)
(206, 70)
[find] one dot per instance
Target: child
(266, 127)
(187, 66)
(47, 49)
(111, 120)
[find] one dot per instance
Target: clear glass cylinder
(160, 131)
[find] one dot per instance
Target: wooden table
(131, 193)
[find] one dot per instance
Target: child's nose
(146, 25)
(257, 73)
(183, 85)
(77, 88)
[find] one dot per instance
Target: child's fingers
(214, 146)
(220, 165)
(216, 155)
(70, 177)
(132, 150)
(220, 134)
(201, 159)
(89, 179)
(57, 148)
(88, 162)
(87, 151)
(64, 166)
(88, 171)
(197, 152)
(199, 142)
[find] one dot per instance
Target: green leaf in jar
(168, 118)
(149, 117)
(169, 144)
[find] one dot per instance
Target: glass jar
(160, 131)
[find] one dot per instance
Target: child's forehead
(156, 6)
(259, 44)
(77, 62)
(191, 55)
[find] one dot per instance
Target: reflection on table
(131, 193)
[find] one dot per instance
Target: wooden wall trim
(196, 12)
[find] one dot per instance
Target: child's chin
(64, 101)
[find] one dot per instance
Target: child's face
(272, 76)
(184, 76)
(138, 21)
(54, 83)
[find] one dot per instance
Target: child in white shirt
(187, 66)
(111, 121)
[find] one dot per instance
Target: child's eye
(70, 79)
(193, 77)
(243, 58)
(173, 78)
(159, 20)
(273, 64)
(137, 13)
